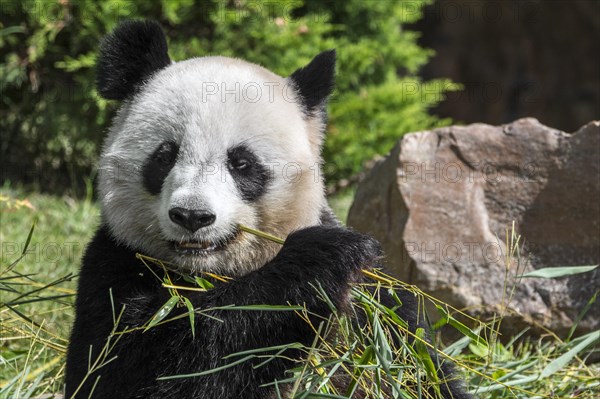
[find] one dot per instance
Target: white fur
(180, 103)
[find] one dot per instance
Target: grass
(36, 297)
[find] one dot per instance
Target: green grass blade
(581, 314)
(28, 240)
(23, 253)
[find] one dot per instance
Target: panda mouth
(200, 247)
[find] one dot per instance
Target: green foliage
(52, 120)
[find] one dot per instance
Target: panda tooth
(202, 247)
(205, 245)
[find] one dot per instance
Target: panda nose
(191, 219)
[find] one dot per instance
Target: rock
(443, 201)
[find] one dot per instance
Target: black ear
(128, 56)
(315, 82)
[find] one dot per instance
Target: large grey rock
(442, 201)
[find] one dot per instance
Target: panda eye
(250, 176)
(158, 165)
(166, 153)
(239, 164)
(240, 159)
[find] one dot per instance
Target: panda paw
(332, 254)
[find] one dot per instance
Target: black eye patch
(158, 166)
(250, 176)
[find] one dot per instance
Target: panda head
(200, 146)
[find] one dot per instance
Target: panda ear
(128, 56)
(315, 82)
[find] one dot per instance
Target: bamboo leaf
(163, 312)
(211, 371)
(466, 331)
(262, 307)
(366, 358)
(424, 355)
(560, 362)
(203, 283)
(191, 314)
(554, 272)
(293, 345)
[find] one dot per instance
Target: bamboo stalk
(261, 234)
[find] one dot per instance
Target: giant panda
(197, 148)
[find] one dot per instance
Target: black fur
(129, 56)
(315, 82)
(158, 166)
(330, 257)
(250, 176)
